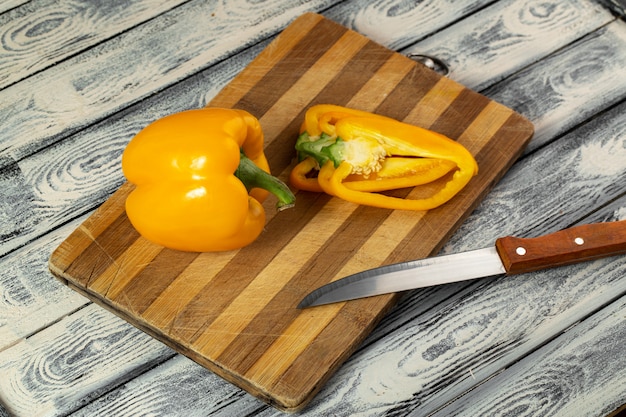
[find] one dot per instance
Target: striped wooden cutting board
(235, 312)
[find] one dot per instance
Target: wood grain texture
(510, 35)
(565, 89)
(30, 300)
(9, 4)
(598, 339)
(231, 326)
(151, 394)
(397, 24)
(44, 32)
(60, 365)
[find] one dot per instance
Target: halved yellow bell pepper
(200, 178)
(356, 153)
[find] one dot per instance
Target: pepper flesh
(359, 153)
(198, 176)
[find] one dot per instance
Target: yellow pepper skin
(359, 153)
(198, 177)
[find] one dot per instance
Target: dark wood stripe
(290, 68)
(463, 110)
(145, 287)
(407, 94)
(355, 74)
(103, 251)
(264, 329)
(245, 266)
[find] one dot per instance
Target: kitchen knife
(510, 255)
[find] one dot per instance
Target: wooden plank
(618, 7)
(510, 35)
(30, 300)
(231, 326)
(550, 93)
(397, 24)
(9, 4)
(151, 394)
(44, 32)
(117, 73)
(55, 371)
(575, 363)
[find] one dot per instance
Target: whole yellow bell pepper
(200, 176)
(356, 153)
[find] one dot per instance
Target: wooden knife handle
(568, 246)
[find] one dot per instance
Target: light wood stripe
(143, 289)
(104, 250)
(258, 99)
(198, 274)
(484, 127)
(374, 92)
(434, 103)
(123, 269)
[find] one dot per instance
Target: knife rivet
(579, 240)
(520, 251)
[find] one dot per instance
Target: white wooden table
(79, 78)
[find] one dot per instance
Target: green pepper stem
(254, 177)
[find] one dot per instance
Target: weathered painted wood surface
(9, 4)
(42, 33)
(580, 391)
(559, 102)
(438, 343)
(523, 31)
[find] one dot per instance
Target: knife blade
(510, 255)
